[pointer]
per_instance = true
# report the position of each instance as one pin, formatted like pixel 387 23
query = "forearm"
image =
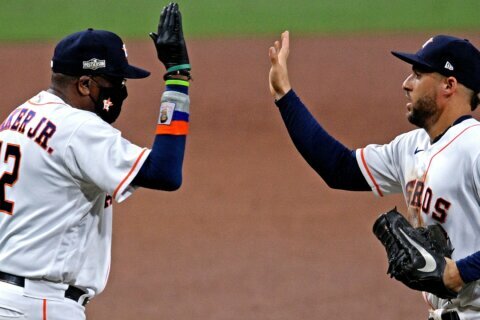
pixel 463 271
pixel 335 163
pixel 451 276
pixel 162 169
pixel 469 267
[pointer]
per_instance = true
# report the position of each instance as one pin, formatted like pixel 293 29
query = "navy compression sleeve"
pixel 162 170
pixel 335 163
pixel 469 267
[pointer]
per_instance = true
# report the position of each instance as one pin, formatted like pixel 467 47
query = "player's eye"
pixel 417 73
pixel 121 83
pixel 116 82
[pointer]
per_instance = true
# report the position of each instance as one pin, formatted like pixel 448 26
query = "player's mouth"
pixel 409 100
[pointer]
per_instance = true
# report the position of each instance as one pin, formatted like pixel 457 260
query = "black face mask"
pixel 109 102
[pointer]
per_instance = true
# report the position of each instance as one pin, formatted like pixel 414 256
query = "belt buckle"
pixel 85 301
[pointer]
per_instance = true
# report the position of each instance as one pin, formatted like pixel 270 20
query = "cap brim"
pixel 412 59
pixel 132 72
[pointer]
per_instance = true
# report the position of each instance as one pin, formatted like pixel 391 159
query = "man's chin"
pixel 414 120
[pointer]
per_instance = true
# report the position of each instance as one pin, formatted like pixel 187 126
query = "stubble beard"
pixel 424 113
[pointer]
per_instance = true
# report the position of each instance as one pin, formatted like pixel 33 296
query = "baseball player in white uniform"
pixel 436 167
pixel 62 165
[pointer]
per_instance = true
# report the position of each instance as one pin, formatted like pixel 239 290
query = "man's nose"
pixel 407 83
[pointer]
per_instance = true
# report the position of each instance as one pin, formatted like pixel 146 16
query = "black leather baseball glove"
pixel 416 256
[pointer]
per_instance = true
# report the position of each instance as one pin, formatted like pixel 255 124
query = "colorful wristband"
pixel 179 67
pixel 177 82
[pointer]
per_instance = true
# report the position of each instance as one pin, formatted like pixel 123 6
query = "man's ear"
pixel 450 85
pixel 83 85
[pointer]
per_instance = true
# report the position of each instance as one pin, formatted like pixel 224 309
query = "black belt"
pixel 449 315
pixel 72 292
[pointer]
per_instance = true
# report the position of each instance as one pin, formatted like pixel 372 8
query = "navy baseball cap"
pixel 94 52
pixel 449 56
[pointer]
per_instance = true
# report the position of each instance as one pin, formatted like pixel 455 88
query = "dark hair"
pixel 475 101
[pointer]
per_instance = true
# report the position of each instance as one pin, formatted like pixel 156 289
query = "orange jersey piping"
pixel 370 174
pixel 129 173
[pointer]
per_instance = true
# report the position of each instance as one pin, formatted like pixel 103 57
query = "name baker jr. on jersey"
pixel 38 130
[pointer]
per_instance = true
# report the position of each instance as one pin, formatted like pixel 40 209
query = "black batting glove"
pixel 169 41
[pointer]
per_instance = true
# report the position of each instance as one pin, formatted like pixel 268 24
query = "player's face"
pixel 421 91
pixel 109 97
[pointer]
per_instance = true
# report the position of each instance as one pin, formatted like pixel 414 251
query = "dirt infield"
pixel 253 233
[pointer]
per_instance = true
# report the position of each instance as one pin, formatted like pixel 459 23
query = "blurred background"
pixel 50 19
pixel 253 233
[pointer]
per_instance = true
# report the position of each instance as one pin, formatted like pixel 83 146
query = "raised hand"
pixel 278 77
pixel 169 40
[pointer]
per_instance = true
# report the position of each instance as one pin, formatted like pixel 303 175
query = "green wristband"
pixel 179 67
pixel 177 82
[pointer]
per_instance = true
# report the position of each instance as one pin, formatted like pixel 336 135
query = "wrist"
pixel 174 109
pixel 178 74
pixel 178 77
pixel 286 98
pixel 179 67
pixel 451 276
pixel 178 85
pixel 281 92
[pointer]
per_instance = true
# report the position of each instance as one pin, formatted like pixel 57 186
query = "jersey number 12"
pixel 8 178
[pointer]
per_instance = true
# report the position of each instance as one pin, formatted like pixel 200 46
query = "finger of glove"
pixel 162 19
pixel 169 19
pixel 179 27
pixel 153 36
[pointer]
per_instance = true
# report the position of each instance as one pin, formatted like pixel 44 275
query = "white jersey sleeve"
pixel 98 154
pixel 476 177
pixel 380 165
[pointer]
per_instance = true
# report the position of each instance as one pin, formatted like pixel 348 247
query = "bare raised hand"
pixel 278 77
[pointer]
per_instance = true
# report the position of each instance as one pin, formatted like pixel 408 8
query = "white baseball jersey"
pixel 60 168
pixel 441 184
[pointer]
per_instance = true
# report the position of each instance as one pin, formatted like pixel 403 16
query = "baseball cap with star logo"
pixel 94 52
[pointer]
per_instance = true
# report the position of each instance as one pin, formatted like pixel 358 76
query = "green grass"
pixel 51 19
